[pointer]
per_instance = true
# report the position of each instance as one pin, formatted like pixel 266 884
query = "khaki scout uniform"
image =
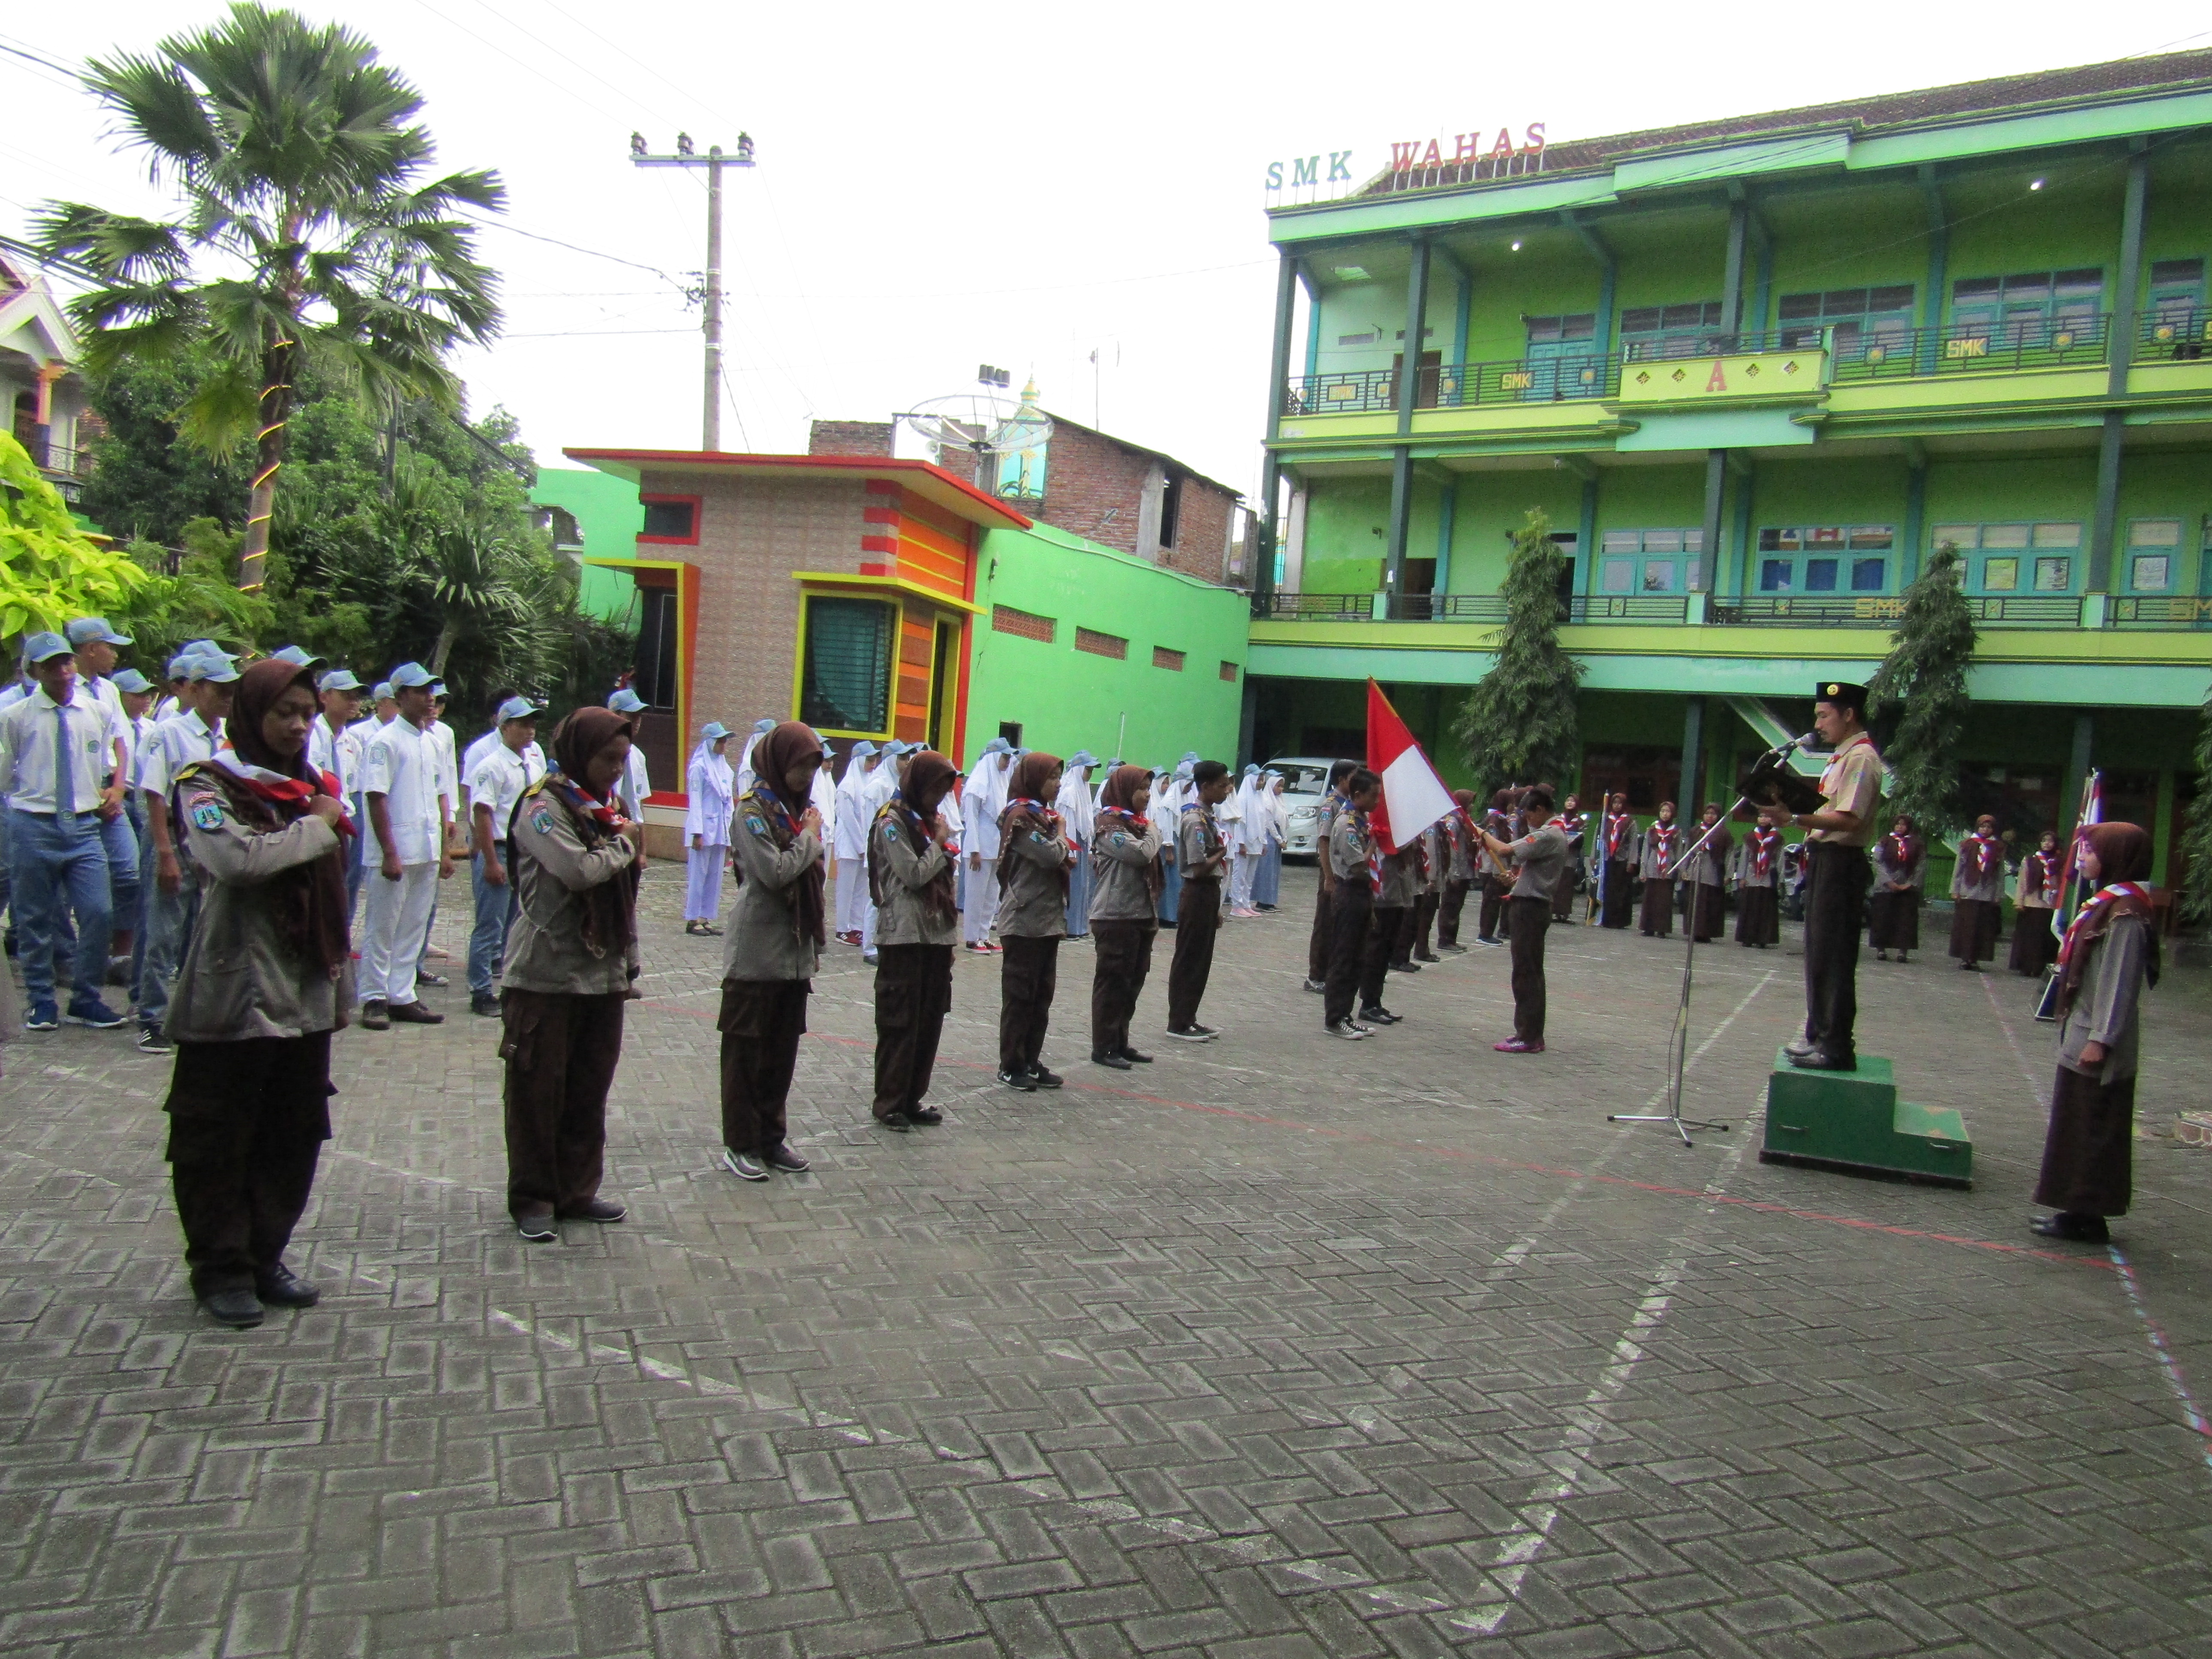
pixel 1032 919
pixel 914 961
pixel 1125 920
pixel 767 972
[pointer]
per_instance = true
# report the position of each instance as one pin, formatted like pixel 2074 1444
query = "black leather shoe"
pixel 1135 1056
pixel 1426 956
pixel 1822 1061
pixel 897 1122
pixel 239 1309
pixel 2074 1228
pixel 375 1016
pixel 1798 1045
pixel 483 1004
pixel 781 1157
pixel 280 1287
pixel 1405 967
pixel 1115 1061
pixel 928 1116
pixel 414 1014
pixel 595 1209
pixel 535 1226
pixel 1375 1014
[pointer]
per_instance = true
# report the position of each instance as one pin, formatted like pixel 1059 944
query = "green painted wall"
pixel 1067 699
pixel 1491 506
pixel 607 511
pixel 1345 521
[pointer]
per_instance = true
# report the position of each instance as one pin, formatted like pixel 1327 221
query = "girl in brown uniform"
pixel 1125 912
pixel 1663 844
pixel 1900 865
pixel 268 978
pixel 2034 946
pixel 1034 863
pixel 1708 876
pixel 575 856
pixel 777 934
pixel 911 851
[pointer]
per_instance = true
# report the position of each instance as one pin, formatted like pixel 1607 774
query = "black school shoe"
pixel 1117 1062
pixel 781 1157
pixel 1135 1056
pixel 239 1309
pixel 1375 1014
pixel 2073 1226
pixel 1021 1080
pixel 1045 1079
pixel 928 1116
pixel 281 1287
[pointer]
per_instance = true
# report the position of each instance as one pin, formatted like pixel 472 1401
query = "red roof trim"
pixel 879 465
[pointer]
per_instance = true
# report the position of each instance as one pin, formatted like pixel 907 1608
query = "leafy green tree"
pixel 2197 839
pixel 1921 686
pixel 49 570
pixel 308 239
pixel 191 594
pixel 1519 723
pixel 147 483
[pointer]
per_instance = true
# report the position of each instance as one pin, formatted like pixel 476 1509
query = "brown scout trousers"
pixel 1028 976
pixel 1317 942
pixel 1527 919
pixel 247 1121
pixel 762 1021
pixel 1383 924
pixel 560 1051
pixel 1351 918
pixel 1198 924
pixel 1124 959
pixel 1448 912
pixel 914 993
pixel 1835 910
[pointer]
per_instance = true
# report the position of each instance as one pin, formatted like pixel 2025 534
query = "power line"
pixel 535 236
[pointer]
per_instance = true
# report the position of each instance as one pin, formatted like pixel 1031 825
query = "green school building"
pixel 1753 370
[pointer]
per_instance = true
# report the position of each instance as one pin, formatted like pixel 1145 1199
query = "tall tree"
pixel 307 236
pixel 1519 722
pixel 1921 686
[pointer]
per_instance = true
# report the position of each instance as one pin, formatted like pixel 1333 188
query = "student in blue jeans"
pixel 60 769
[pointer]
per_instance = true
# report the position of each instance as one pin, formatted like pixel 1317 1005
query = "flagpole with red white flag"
pixel 1413 796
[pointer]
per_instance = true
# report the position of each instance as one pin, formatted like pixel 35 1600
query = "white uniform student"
pixel 710 804
pixel 850 839
pixel 168 876
pixel 746 776
pixel 636 782
pixel 502 773
pixel 406 827
pixel 882 784
pixel 981 800
pixel 1244 826
pixel 1078 811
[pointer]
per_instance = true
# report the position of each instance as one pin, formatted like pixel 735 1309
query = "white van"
pixel 1305 781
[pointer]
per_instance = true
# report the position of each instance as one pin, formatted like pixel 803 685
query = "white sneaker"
pixel 744 1165
pixel 1347 1030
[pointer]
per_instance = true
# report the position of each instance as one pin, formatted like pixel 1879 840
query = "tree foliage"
pixel 308 238
pixel 1920 693
pixel 1519 723
pixel 2196 838
pixel 49 570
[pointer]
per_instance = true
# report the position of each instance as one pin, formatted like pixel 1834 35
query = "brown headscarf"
pixel 309 900
pixel 610 907
pixel 773 758
pixel 1120 795
pixel 2124 854
pixel 1032 776
pixel 1722 840
pixel 914 808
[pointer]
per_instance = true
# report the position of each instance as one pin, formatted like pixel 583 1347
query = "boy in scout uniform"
pixel 1838 875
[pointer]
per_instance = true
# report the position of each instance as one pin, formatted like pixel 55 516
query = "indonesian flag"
pixel 1413 796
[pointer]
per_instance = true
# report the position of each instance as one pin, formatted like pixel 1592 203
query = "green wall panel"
pixel 607 511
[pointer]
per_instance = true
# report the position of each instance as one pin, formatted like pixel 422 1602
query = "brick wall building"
pixel 849 438
pixel 1137 500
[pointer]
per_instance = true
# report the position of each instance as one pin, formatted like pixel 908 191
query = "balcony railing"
pixel 1884 610
pixel 1464 607
pixel 2159 611
pixel 1984 347
pixel 1455 386
pixel 2168 611
pixel 2173 335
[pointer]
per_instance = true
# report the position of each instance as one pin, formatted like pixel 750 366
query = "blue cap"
pixel 764 725
pixel 383 692
pixel 1115 764
pixel 1252 770
pixel 133 683
pixel 626 701
pixel 297 653
pixel 181 666
pixel 44 648
pixel 409 675
pixel 438 689
pixel 83 630
pixel 713 730
pixel 518 709
pixel 998 746
pixel 214 666
pixel 898 746
pixel 863 747
pixel 338 679
pixel 1081 757
pixel 195 647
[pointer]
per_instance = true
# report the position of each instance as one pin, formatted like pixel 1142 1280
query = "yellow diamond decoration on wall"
pixel 1751 369
pixel 1681 374
pixel 1791 367
pixel 1644 377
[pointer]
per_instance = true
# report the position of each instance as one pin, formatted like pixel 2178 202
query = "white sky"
pixel 941 186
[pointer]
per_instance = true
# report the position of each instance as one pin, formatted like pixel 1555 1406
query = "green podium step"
pixel 1853 1122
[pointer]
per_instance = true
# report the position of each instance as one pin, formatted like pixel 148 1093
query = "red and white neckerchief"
pixel 1618 826
pixel 1984 852
pixel 277 788
pixel 1663 835
pixel 2037 876
pixel 1900 850
pixel 1764 841
pixel 2102 900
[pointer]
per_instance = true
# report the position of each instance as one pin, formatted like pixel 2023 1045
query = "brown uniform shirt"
pixel 1852 783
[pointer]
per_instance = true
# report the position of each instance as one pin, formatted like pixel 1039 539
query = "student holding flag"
pixel 1536 859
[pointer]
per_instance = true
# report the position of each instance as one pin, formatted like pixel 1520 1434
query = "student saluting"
pixel 1125 914
pixel 1034 862
pixel 911 850
pixel 1537 858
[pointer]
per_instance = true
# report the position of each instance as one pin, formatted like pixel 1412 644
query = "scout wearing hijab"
pixel 1536 859
pixel 2034 946
pixel 1900 866
pixel 1662 844
pixel 1395 880
pixel 1460 848
pixel 2111 949
pixel 710 806
pixel 849 834
pixel 1267 878
pixel 1349 851
pixel 576 857
pixel 1201 853
pixel 1616 860
pixel 1496 880
pixel 777 934
pixel 1074 805
pixel 912 849
pixel 1125 915
pixel 268 978
pixel 1835 885
pixel 1977 888
pixel 501 774
pixel 1320 942
pixel 1034 859
pixel 1428 897
pixel 883 783
pixel 1569 823
pixel 1708 878
pixel 1758 868
pixel 982 803
pixel 171 881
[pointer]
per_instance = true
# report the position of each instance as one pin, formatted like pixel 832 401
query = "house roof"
pixel 30 320
pixel 933 483
pixel 1183 467
pixel 2083 84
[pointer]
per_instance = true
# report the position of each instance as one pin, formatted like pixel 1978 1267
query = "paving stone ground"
pixel 1279 1348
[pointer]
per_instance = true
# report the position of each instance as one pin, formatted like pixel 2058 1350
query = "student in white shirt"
pixel 453 819
pixel 169 878
pixel 982 799
pixel 501 774
pixel 1078 813
pixel 93 643
pixel 882 784
pixel 334 746
pixel 746 776
pixel 399 776
pixel 710 807
pixel 852 839
pixel 636 781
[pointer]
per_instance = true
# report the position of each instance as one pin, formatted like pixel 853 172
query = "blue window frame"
pixel 1826 558
pixel 2017 557
pixel 1870 323
pixel 1650 561
pixel 1681 330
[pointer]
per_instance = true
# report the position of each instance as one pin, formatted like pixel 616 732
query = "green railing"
pixel 2159 611
pixel 2173 335
pixel 1984 347
pixel 1454 386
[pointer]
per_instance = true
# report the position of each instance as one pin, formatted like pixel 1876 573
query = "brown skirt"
pixel 2088 1151
pixel 1894 919
pixel 1708 911
pixel 1974 930
pixel 1758 919
pixel 1657 915
pixel 2034 946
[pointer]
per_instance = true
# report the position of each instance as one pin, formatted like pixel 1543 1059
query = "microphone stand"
pixel 1678 1040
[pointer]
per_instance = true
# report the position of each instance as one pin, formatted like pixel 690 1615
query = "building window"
pixel 1826 558
pixel 2031 308
pixel 1163 657
pixel 1004 619
pixel 1170 508
pixel 671 518
pixel 1101 645
pixel 2177 324
pixel 1870 323
pixel 1229 672
pixel 1683 331
pixel 2016 558
pixel 656 662
pixel 2154 551
pixel 1650 561
pixel 844 676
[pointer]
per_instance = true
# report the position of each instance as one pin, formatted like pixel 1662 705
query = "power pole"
pixel 710 421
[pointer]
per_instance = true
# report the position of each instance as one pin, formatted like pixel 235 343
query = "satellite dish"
pixel 983 427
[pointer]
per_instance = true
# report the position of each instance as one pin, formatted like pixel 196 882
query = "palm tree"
pixel 477 580
pixel 306 234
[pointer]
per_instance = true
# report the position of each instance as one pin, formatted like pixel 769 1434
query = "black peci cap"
pixel 1842 693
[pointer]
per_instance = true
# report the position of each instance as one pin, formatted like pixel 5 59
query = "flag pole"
pixel 2090 811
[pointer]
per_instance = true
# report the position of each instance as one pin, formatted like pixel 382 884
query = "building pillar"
pixel 1401 459
pixel 1691 781
pixel 1586 533
pixel 1313 319
pixel 1271 465
pixel 1715 491
pixel 1732 274
pixel 1737 580
pixel 1446 525
pixel 1916 517
pixel 2077 771
pixel 1939 264
pixel 2104 521
pixel 2119 351
pixel 1401 517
